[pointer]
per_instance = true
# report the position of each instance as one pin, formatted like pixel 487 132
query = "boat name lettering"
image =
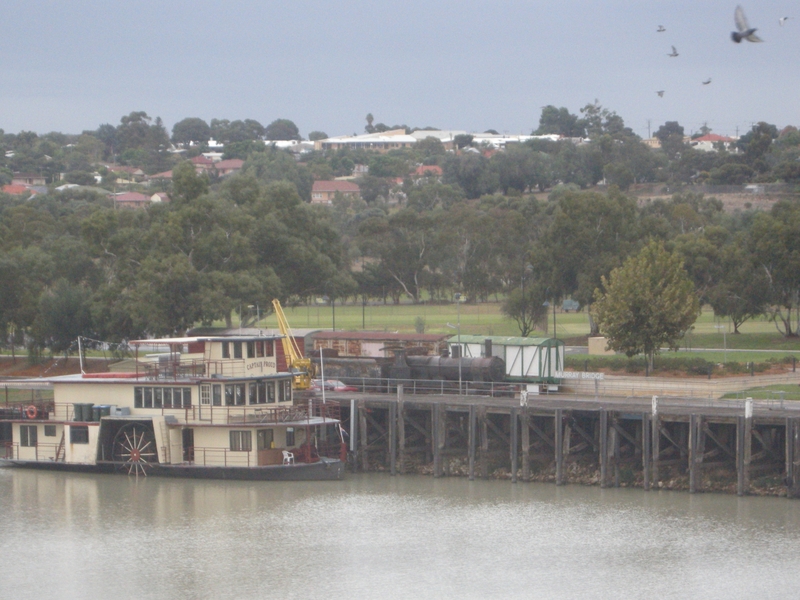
pixel 261 364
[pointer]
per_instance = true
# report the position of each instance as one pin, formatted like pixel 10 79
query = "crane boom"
pixel 300 366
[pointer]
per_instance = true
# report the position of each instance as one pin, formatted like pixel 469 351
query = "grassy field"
pixel 486 319
pixel 771 392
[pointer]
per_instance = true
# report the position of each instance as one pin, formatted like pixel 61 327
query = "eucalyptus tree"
pixel 647 303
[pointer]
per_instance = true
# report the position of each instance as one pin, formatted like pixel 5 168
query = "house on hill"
pixel 323 191
pixel 27 179
pixel 228 167
pixel 16 189
pixel 710 141
pixel 131 200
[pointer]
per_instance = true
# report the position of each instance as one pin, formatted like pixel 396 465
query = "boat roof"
pixel 205 338
pixel 126 377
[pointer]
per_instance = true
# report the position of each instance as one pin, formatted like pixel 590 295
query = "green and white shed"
pixel 532 360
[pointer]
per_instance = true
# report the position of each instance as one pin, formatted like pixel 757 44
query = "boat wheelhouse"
pixel 206 406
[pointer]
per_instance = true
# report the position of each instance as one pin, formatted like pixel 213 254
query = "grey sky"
pixel 469 64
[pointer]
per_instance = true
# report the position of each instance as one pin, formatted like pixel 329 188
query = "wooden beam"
pixel 721 445
pixel 655 431
pixel 646 442
pixel 582 432
pixel 393 439
pixel 541 434
pixel 526 445
pixel 514 445
pixel 362 418
pixel 603 448
pixel 484 433
pixel 558 424
pixel 472 440
pixel 401 435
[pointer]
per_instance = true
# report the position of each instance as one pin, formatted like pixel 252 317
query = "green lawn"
pixel 771 392
pixel 486 319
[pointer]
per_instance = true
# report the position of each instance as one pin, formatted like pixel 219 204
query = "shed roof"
pixel 502 340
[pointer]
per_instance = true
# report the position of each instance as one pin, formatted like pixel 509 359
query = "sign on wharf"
pixel 578 375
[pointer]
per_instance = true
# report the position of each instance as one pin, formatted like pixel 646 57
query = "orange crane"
pixel 301 367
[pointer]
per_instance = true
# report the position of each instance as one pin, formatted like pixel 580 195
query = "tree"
pixel 647 303
pixel 192 129
pixel 430 147
pixel 187 184
pixel 317 135
pixel 559 121
pixel 526 310
pixel 64 314
pixel 281 129
pixel 670 134
pixel 462 140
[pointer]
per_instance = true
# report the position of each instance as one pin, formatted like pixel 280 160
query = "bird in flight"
pixel 745 31
pixel 661 28
pixel 782 20
pixel 660 93
pixel 707 81
pixel 674 52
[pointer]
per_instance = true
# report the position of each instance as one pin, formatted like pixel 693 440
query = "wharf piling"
pixel 671 443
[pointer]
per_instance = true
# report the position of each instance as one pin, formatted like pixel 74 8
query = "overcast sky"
pixel 452 64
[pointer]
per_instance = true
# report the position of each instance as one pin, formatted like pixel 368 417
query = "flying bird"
pixel 745 31
pixel 674 52
pixel 707 81
pixel 661 28
pixel 782 20
pixel 660 93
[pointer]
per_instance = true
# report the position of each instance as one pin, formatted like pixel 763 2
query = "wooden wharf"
pixel 624 440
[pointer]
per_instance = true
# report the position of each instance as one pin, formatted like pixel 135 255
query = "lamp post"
pixel 258 312
pixel 528 269
pixel 724 342
pixel 457 297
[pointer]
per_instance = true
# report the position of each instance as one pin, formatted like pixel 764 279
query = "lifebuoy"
pixel 31 412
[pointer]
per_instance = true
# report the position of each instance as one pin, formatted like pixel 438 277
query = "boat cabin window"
pixel 237 349
pixel 258 392
pixel 269 348
pixel 251 349
pixel 226 350
pixel 259 349
pixel 271 393
pixel 234 394
pixel 289 436
pixel 216 398
pixel 241 441
pixel 79 434
pixel 157 397
pixel 284 391
pixel 28 435
pixel 50 431
pixel 264 438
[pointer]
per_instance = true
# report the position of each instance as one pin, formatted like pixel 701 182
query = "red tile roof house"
pixel 127 174
pixel 131 200
pixel 323 191
pixel 202 164
pixel 15 189
pixel 228 167
pixel 160 197
pixel 164 175
pixel 427 171
pixel 707 142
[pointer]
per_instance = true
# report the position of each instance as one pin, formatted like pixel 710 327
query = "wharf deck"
pixel 645 440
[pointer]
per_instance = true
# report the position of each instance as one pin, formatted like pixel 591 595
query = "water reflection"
pixel 374 535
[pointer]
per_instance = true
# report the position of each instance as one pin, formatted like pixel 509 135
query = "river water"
pixel 376 536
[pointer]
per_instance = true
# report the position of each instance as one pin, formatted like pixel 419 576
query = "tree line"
pixel 525 226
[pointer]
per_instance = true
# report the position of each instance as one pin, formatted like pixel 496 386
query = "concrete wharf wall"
pixel 621 439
